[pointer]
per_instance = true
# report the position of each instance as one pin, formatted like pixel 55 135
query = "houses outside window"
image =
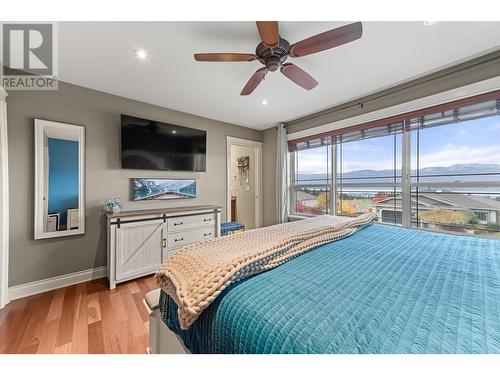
pixel 310 192
pixel 440 171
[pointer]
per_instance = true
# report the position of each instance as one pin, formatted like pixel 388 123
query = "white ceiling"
pixel 101 56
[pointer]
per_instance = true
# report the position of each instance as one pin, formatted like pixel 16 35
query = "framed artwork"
pixel 162 189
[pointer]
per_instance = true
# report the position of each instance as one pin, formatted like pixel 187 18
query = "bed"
pixel 382 290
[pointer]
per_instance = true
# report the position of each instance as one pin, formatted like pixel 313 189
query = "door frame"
pixel 257 146
pixel 4 202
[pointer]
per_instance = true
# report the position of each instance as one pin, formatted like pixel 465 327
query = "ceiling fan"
pixel 273 51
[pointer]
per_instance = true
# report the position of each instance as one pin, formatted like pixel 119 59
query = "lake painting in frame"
pixel 162 189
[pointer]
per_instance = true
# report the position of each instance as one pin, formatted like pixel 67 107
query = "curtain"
pixel 281 175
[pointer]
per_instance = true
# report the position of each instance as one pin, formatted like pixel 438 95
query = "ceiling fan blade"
pixel 224 57
pixel 298 76
pixel 268 31
pixel 254 81
pixel 327 40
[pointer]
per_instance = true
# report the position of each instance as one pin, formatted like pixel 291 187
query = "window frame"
pixel 406 186
pixel 292 186
pixel 394 185
pixel 479 214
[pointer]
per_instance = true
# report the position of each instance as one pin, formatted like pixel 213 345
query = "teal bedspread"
pixel 382 290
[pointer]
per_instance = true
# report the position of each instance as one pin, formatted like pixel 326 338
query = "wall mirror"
pixel 59 179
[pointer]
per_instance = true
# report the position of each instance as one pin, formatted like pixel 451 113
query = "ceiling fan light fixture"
pixel 273 51
pixel 273 63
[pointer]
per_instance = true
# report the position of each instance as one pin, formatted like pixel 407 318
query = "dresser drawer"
pixel 179 239
pixel 181 223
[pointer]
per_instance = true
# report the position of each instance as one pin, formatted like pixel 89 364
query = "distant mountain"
pixel 385 175
pixel 175 185
pixel 462 168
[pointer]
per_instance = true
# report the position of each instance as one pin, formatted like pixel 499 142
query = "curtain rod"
pixel 492 95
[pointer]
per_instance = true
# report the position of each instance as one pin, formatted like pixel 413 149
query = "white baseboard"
pixel 40 286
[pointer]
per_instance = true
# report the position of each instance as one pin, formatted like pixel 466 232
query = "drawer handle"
pixel 179 223
pixel 208 234
pixel 164 242
pixel 179 239
pixel 207 219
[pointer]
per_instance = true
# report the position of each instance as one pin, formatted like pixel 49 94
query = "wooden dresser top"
pixel 159 211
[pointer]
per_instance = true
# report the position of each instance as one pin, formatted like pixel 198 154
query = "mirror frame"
pixel 58 130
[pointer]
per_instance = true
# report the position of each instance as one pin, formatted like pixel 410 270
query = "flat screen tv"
pixel 153 145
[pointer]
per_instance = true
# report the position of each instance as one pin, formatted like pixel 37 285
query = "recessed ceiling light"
pixel 263 102
pixel 174 131
pixel 141 54
pixel 429 23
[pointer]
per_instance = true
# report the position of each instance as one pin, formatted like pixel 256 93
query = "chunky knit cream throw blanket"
pixel 196 274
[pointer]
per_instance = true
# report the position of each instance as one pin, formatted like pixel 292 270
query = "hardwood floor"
pixel 83 318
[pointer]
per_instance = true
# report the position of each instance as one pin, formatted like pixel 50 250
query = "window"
pixel 482 216
pixel 369 173
pixel 311 193
pixel 455 176
pixel 356 201
pixel 439 171
pixel 451 209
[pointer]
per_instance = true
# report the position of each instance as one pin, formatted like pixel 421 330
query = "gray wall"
pixel 100 114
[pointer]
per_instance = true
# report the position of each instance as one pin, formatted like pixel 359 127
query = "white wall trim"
pixel 425 102
pixel 243 142
pixel 40 286
pixel 4 202
pixel 232 141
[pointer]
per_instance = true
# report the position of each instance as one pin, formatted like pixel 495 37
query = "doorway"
pixel 244 182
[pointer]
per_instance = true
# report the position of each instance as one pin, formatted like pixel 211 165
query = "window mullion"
pixel 333 179
pixel 406 177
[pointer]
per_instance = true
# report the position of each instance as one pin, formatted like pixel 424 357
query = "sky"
pixel 471 142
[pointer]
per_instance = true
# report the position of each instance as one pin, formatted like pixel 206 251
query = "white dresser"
pixel 140 241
